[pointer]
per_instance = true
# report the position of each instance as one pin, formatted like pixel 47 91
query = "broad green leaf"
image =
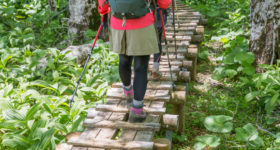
pixel 271 104
pixel 47 108
pixel 231 73
pixel 252 95
pixel 5 59
pixel 15 141
pixel 13 114
pixel 247 57
pixel 37 133
pixel 32 111
pixel 247 133
pixel 220 124
pixel 249 70
pixel 8 90
pixel 278 138
pixel 207 140
pixel 45 140
pixel 43 84
pixel 77 123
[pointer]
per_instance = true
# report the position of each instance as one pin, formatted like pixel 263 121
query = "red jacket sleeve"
pixel 164 4
pixel 103 10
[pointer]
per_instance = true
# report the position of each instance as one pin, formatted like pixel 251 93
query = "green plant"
pixel 35 88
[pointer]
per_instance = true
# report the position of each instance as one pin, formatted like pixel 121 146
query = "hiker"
pixel 156 74
pixel 133 36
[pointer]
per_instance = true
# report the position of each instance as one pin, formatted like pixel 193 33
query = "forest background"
pixel 239 109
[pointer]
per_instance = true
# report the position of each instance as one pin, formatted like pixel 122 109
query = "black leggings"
pixel 140 73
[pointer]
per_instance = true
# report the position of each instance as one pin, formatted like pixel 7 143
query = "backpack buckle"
pixel 149 6
pixel 124 21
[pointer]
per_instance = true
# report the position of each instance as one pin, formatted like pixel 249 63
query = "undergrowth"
pixel 230 107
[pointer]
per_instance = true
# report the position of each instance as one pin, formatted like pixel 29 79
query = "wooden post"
pixel 162 144
pixel 192 55
pixel 184 76
pixel 179 108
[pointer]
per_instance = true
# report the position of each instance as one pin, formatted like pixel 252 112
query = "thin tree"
pixel 265 31
pixel 83 16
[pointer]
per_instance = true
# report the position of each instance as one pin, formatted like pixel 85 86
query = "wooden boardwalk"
pixel 107 126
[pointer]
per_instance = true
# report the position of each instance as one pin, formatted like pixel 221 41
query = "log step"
pixel 180 57
pixel 151 85
pixel 111 144
pixel 94 123
pixel 110 108
pixel 186 33
pixel 166 69
pixel 179 38
pixel 152 95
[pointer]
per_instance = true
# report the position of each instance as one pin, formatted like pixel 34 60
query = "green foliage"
pixel 249 134
pixel 266 87
pixel 24 21
pixel 219 123
pixel 207 141
pixel 252 99
pixel 34 97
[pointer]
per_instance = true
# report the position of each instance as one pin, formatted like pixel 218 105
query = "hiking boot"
pixel 136 115
pixel 129 94
pixel 156 74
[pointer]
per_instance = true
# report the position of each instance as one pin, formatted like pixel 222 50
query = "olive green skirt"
pixel 134 42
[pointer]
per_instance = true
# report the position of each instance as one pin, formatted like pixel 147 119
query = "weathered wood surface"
pixel 148 135
pixel 150 110
pixel 108 121
pixel 162 144
pixel 111 144
pixel 165 76
pixel 170 121
pixel 156 85
pixel 153 95
pixel 180 57
pixel 92 123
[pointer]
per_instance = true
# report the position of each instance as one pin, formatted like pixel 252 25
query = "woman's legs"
pixel 141 76
pixel 125 69
pixel 140 73
pixel 139 85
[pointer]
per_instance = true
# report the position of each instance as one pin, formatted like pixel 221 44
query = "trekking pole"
pixel 166 46
pixel 86 63
pixel 173 12
pixel 177 15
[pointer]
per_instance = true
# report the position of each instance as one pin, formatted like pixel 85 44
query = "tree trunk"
pixel 265 37
pixel 52 5
pixel 83 16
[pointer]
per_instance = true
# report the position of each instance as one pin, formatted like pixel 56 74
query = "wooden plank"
pixel 91 133
pixel 111 144
pixel 91 113
pixel 180 57
pixel 148 135
pixel 109 108
pixel 178 44
pixel 108 133
pixel 121 125
pixel 155 85
pixel 79 148
pixel 118 93
pixel 174 69
pixel 181 29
